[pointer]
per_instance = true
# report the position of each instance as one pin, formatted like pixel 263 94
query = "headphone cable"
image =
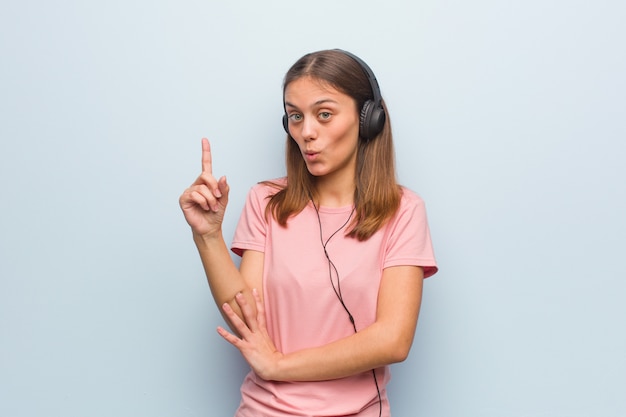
pixel 337 289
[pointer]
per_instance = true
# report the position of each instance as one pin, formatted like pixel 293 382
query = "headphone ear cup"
pixel 371 121
pixel 286 124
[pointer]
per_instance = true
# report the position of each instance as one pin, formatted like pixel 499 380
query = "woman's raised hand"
pixel 204 202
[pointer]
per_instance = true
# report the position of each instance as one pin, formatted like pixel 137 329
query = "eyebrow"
pixel 317 103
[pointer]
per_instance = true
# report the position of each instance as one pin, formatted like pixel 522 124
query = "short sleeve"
pixel 409 241
pixel 252 226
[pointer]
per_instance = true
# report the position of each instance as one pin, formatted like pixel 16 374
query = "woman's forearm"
pixel 368 349
pixel 224 278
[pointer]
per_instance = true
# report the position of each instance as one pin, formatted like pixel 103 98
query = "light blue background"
pixel 509 119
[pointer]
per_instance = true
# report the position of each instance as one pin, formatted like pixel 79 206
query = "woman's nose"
pixel 309 128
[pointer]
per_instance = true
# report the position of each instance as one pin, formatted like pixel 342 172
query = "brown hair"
pixel 377 193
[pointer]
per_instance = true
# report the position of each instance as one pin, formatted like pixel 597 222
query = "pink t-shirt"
pixel 304 311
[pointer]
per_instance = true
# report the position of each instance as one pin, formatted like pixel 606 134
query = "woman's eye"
pixel 324 115
pixel 295 117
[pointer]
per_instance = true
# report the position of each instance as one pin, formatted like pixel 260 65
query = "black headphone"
pixel 372 117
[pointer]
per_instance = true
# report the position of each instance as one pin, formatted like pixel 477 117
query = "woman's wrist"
pixel 277 372
pixel 207 239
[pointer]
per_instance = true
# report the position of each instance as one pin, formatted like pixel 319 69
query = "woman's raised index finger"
pixel 206 156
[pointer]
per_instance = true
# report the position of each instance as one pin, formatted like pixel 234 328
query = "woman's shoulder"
pixel 411 209
pixel 269 187
pixel 410 197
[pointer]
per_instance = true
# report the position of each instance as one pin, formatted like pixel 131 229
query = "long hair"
pixel 377 193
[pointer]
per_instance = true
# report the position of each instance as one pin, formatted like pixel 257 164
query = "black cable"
pixel 337 289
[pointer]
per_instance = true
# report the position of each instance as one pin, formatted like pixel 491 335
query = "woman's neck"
pixel 334 193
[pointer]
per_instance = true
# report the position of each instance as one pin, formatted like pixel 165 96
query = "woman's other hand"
pixel 254 342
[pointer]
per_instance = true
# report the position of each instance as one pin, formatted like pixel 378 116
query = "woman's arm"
pixel 225 280
pixel 204 204
pixel 387 340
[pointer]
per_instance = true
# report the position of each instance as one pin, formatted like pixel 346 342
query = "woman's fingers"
pixel 260 309
pixel 223 188
pixel 248 324
pixel 202 197
pixel 230 338
pixel 247 311
pixel 207 160
pixel 198 195
pixel 206 184
pixel 207 168
pixel 209 193
pixel 210 182
pixel 236 321
pixel 204 202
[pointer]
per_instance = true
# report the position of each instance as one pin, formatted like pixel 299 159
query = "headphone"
pixel 372 118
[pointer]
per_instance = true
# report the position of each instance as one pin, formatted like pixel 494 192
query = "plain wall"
pixel 509 120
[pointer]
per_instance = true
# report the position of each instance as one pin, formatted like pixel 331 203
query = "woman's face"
pixel 324 122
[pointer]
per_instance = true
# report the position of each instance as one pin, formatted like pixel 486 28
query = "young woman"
pixel 333 256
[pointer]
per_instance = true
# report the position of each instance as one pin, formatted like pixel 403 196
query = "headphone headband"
pixel 370 76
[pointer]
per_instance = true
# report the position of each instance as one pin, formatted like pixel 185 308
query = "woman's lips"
pixel 310 155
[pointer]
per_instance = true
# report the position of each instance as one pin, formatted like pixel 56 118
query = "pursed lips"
pixel 310 154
